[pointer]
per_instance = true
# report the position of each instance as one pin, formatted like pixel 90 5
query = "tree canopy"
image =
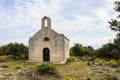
pixel 115 23
pixel 16 50
pixel 80 50
pixel 112 49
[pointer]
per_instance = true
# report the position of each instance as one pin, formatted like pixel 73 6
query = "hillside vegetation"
pixel 79 69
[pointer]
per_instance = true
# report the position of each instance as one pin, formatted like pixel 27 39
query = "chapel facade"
pixel 47 45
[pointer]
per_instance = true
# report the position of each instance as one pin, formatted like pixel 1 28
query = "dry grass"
pixel 77 70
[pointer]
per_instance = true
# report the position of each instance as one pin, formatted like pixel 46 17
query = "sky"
pixel 82 21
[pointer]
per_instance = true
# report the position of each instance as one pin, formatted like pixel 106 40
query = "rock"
pixel 94 65
pixel 33 75
pixel 89 63
pixel 7 74
pixel 29 74
pixel 1 76
pixel 38 64
pixel 19 70
pixel 100 71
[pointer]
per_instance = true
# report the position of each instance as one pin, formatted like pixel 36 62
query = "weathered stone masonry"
pixel 48 45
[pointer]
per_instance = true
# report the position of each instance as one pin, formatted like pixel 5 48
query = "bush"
pixel 18 51
pixel 17 66
pixel 68 78
pixel 113 63
pixel 3 58
pixel 4 66
pixel 71 59
pixel 46 68
pixel 83 58
pixel 102 61
pixel 86 58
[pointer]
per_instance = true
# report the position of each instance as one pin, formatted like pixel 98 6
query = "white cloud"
pixel 81 21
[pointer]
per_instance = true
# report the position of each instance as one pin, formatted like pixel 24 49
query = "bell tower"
pixel 46 22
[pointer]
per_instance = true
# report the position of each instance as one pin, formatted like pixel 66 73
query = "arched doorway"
pixel 46 54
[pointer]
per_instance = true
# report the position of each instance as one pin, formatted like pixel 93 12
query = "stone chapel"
pixel 47 45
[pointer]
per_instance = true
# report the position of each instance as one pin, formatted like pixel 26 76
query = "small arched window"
pixel 46 39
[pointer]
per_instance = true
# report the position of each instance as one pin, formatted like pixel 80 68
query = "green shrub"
pixel 5 66
pixel 102 61
pixel 83 58
pixel 68 78
pixel 113 63
pixel 17 66
pixel 86 58
pixel 4 57
pixel 71 59
pixel 46 68
pixel 32 66
pixel 11 56
pixel 19 51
